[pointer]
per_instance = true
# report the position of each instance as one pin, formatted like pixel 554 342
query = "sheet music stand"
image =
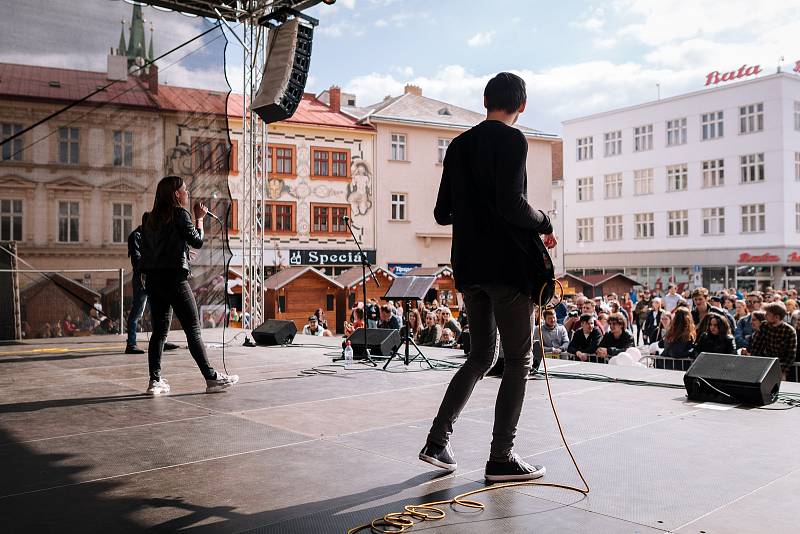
pixel 408 288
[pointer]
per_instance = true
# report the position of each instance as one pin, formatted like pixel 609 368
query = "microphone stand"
pixel 364 265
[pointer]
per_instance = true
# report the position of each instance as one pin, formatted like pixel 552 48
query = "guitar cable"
pixel 412 514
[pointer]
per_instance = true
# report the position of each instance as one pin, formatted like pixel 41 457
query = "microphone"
pixel 210 214
pixel 346 219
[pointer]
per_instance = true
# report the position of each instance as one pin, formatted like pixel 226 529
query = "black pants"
pixel 169 291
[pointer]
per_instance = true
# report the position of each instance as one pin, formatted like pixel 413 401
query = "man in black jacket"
pixel 586 339
pixel 496 256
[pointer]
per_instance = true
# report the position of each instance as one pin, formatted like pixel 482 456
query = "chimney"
pixel 117 67
pixel 413 89
pixel 151 78
pixel 335 98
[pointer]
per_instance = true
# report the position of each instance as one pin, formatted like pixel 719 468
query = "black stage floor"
pixel 82 450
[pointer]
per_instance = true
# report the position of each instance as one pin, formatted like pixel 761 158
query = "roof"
pixel 353 277
pixel 430 271
pixel 313 111
pixel 73 289
pixel 286 276
pixel 595 280
pixel 413 108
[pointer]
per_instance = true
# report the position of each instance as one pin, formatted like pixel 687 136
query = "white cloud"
pixel 406 71
pixel 593 20
pixel 481 39
pixel 605 43
pixel 381 23
pixel 349 4
pixel 341 29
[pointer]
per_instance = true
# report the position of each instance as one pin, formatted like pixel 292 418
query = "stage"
pixel 83 450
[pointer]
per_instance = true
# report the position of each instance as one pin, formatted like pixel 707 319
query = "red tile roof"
pixel 32 82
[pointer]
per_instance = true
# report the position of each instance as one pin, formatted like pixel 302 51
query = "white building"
pixel 700 189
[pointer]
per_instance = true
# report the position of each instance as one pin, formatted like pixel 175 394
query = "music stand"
pixel 408 288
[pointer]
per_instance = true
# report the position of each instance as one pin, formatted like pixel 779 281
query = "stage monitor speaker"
pixel 275 332
pixel 733 379
pixel 380 341
pixel 288 58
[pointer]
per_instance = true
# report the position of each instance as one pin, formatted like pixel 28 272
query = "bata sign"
pixel 716 76
pixel 746 257
pixel 794 257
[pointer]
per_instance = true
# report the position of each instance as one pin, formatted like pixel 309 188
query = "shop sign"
pixel 329 257
pixel 746 257
pixel 715 77
pixel 794 257
pixel 400 269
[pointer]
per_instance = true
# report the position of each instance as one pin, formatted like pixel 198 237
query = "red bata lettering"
pixel 794 257
pixel 744 257
pixel 715 77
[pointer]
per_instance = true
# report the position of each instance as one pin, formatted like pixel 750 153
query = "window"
pixel 613 142
pixel 123 148
pixel 613 185
pixel 676 132
pixel 284 160
pixel 643 138
pixel 752 168
pixel 796 218
pixel 211 156
pixel 797 165
pixel 441 147
pixel 713 221
pixel 10 220
pixel 279 217
pixel 584 148
pixel 613 227
pixel 68 145
pixel 226 209
pixel 678 223
pixel 712 125
pixel 585 189
pixel 122 222
pixel 398 206
pixel 398 147
pixel 643 182
pixel 753 219
pixel 11 151
pixel 645 227
pixel 330 163
pixel 329 219
pixel 714 173
pixel 677 178
pixel 68 222
pixel 797 115
pixel 585 230
pixel 751 118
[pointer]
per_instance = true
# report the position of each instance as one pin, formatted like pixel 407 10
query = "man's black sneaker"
pixel 439 456
pixel 133 350
pixel 514 469
pixel 170 346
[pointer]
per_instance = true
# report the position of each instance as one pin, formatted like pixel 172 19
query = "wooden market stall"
pixel 295 292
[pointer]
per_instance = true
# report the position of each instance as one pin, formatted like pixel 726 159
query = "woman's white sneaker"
pixel 157 387
pixel 222 381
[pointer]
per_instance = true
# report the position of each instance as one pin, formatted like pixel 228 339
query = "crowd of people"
pixel 675 324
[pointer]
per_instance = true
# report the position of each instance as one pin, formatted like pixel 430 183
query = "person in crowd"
pixel 388 319
pixel 775 338
pixel 357 321
pixel 672 298
pixel 797 331
pixel 572 322
pixel 373 313
pixel 586 340
pixel 166 238
pixel 57 329
pixel 413 327
pixel 729 305
pixel 680 338
pixel 791 310
pixel 662 329
pixel 429 336
pixel 615 307
pixel 744 328
pixel 715 335
pixel 758 318
pixel 702 307
pixel 313 327
pixel 561 311
pixel 449 322
pixel 319 313
pixel 653 320
pixel 626 305
pixel 448 339
pixel 602 319
pixel 555 335
pixel 617 340
pixel 68 328
pixel 640 313
pixel 740 310
pixel 587 307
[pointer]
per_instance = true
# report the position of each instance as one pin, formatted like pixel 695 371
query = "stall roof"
pixel 430 271
pixel 353 277
pixel 286 276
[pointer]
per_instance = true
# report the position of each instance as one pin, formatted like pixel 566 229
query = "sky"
pixel 577 57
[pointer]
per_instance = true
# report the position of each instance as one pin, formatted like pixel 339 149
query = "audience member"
pixel 740 308
pixel 447 340
pixel 640 314
pixel 388 319
pixel 744 328
pixel 652 321
pixel 357 317
pixel 586 340
pixel 313 327
pixel 672 298
pixel 617 340
pixel 413 327
pixel 449 322
pixel 715 336
pixel 702 306
pixel 680 338
pixel 319 313
pixel 775 338
pixel 555 335
pixel 430 335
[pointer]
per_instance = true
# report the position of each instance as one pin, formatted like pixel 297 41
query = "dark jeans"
pixel 137 308
pixel 491 308
pixel 167 292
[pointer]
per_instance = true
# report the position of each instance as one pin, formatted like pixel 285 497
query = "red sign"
pixel 746 257
pixel 715 77
pixel 794 257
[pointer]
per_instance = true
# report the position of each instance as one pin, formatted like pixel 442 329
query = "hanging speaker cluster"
pixel 288 58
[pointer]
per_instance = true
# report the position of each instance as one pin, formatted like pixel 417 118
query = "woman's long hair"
pixel 165 202
pixel 414 314
pixel 722 324
pixel 682 326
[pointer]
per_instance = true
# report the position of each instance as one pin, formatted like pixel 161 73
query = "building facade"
pixel 697 189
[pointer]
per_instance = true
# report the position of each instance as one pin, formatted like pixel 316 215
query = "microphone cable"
pixel 396 522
